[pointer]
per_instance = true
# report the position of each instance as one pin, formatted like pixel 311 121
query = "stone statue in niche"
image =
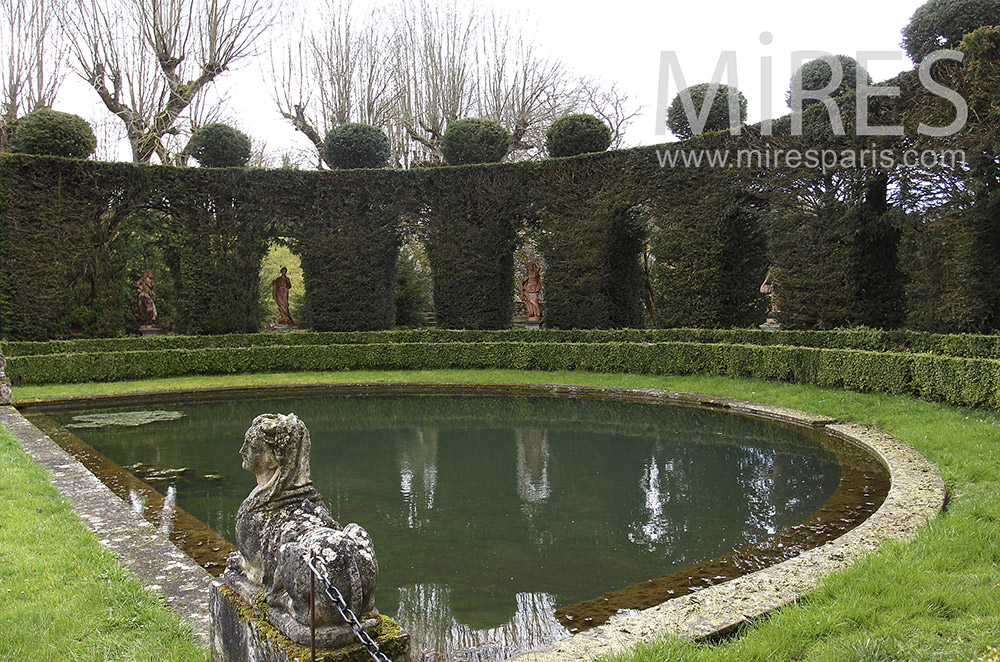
pixel 4 382
pixel 144 294
pixel 767 289
pixel 281 524
pixel 531 286
pixel 280 287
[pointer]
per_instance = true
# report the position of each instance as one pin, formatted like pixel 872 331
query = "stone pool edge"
pixel 916 494
pixel 160 566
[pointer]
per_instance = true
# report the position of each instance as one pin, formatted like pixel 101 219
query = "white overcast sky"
pixel 621 41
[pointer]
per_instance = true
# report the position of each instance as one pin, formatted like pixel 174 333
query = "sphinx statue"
pixel 281 525
pixel 4 382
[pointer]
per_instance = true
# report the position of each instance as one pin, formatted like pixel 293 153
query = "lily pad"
pixel 128 419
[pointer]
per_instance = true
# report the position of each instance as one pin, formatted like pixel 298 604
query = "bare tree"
pixel 340 73
pixel 416 66
pixel 148 60
pixel 434 70
pixel 31 50
pixel 611 105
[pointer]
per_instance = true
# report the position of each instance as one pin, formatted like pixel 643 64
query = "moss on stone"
pixel 387 633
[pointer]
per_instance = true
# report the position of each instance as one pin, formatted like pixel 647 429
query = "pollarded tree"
pixel 30 61
pixel 149 60
pixel 218 145
pixel 53 133
pixel 941 24
pixel 577 133
pixel 718 114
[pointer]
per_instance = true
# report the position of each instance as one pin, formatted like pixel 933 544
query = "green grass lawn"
pixel 935 599
pixel 63 596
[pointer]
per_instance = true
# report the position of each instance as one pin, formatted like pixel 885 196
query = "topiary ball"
pixel 356 145
pixel 942 24
pixel 218 145
pixel 718 114
pixel 474 140
pixel 53 133
pixel 817 74
pixel 578 133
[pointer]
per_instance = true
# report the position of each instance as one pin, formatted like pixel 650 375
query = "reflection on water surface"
pixel 489 513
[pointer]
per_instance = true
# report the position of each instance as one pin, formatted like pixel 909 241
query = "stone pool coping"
pixel 916 494
pixel 157 562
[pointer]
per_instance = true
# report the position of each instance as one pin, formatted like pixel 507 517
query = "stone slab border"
pixel 157 562
pixel 916 494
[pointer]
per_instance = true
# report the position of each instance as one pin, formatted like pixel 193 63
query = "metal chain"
pixel 318 568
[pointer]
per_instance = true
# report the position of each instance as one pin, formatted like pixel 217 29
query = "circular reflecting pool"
pixel 490 514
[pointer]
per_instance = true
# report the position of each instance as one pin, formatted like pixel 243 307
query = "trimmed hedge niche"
pixel 470 219
pixel 215 227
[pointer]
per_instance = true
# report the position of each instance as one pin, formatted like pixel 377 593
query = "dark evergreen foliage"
pixel 718 114
pixel 471 217
pixel 218 145
pixel 50 132
pixel 711 255
pixel 474 140
pixel 939 24
pixel 817 74
pixel 355 145
pixel 578 133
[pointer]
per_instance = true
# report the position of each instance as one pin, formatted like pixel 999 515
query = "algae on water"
pixel 123 419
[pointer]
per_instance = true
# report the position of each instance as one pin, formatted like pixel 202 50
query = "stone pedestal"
pixel 770 325
pixel 243 632
pixel 146 331
pixel 534 325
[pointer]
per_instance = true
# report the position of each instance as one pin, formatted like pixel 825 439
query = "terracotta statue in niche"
pixel 767 289
pixel 144 293
pixel 280 287
pixel 531 286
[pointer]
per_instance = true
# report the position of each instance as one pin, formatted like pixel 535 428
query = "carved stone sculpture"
pixel 279 290
pixel 767 289
pixel 4 382
pixel 281 524
pixel 531 286
pixel 144 294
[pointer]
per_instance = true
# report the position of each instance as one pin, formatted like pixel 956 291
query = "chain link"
pixel 318 568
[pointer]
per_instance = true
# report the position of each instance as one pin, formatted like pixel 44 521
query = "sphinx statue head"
pixel 283 524
pixel 276 450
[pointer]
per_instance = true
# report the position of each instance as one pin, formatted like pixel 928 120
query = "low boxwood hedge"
pixel 960 345
pixel 958 381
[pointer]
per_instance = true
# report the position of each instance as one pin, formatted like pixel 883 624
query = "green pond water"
pixel 489 513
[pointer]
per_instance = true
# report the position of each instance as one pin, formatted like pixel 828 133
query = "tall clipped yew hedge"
pixel 831 238
pixel 589 212
pixel 64 224
pixel 471 216
pixel 347 232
